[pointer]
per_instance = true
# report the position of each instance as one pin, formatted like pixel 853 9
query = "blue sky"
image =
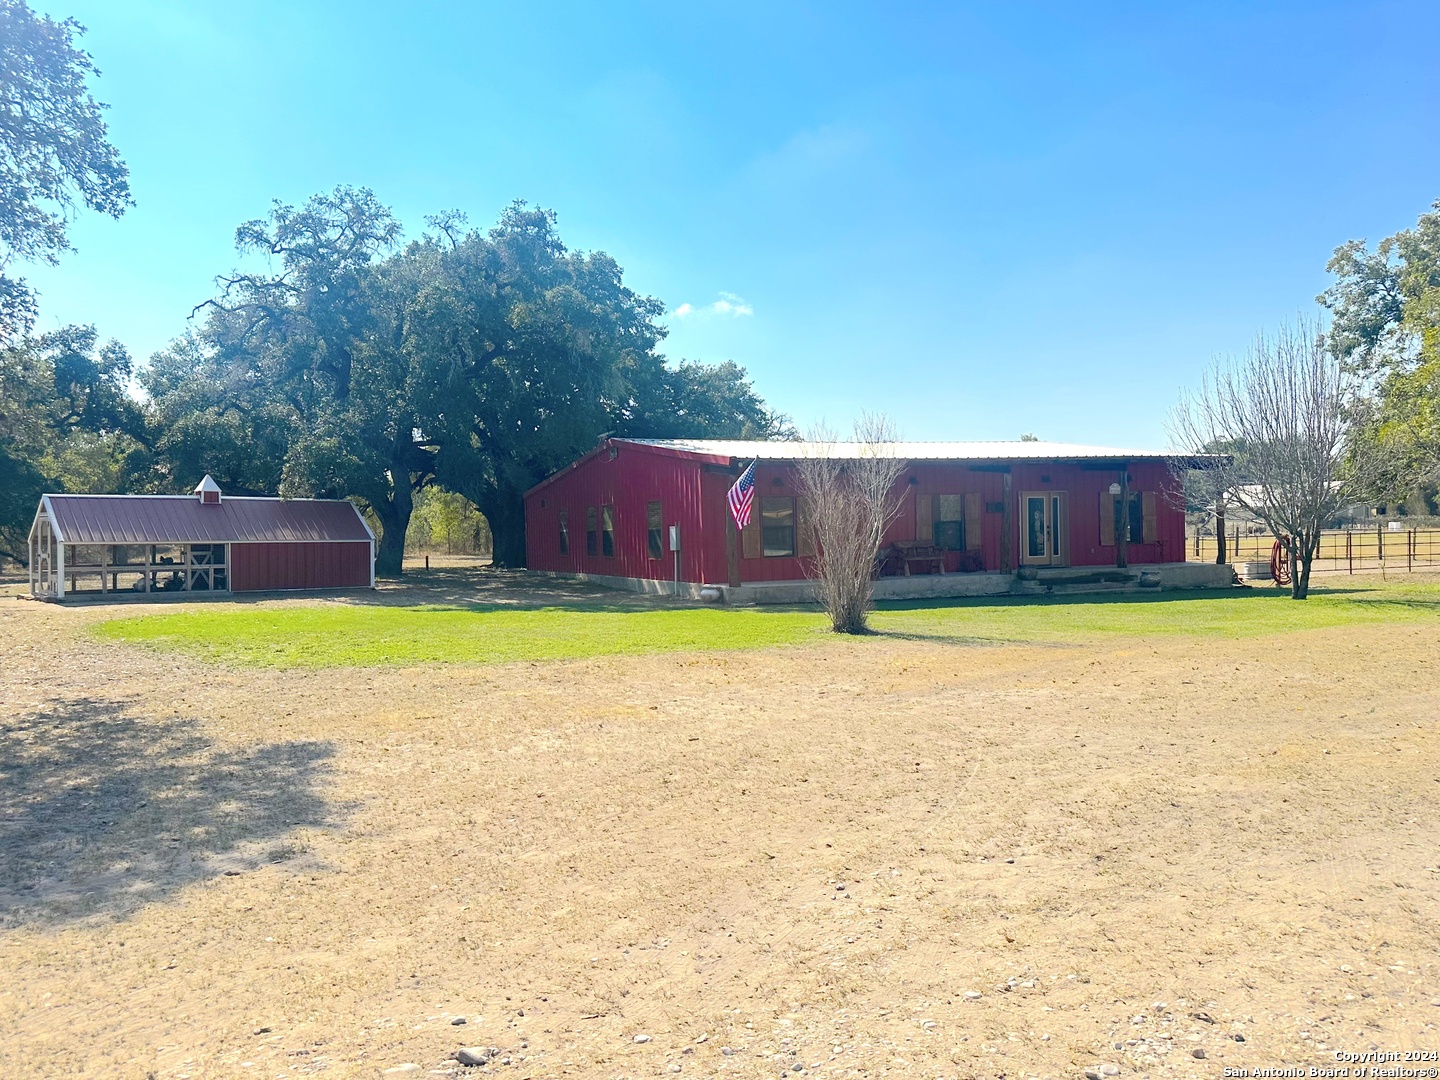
pixel 982 219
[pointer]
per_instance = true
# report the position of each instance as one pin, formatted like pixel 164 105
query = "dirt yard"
pixel 873 857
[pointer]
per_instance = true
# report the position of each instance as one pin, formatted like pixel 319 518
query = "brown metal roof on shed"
pixel 184 519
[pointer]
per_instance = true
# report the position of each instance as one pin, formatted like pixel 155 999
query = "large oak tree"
pixel 53 148
pixel 478 360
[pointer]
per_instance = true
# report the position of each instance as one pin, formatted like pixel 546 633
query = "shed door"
pixel 42 559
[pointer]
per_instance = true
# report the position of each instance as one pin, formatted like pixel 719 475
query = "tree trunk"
pixel 505 511
pixel 1220 551
pixel 394 515
pixel 390 556
pixel 1302 554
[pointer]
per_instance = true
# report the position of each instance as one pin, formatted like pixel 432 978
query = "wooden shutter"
pixel 924 516
pixel 804 528
pixel 1150 528
pixel 750 535
pixel 1107 519
pixel 974 530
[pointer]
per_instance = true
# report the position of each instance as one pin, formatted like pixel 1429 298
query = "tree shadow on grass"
pixel 103 810
pixel 1069 599
pixel 443 588
pixel 962 640
pixel 1409 603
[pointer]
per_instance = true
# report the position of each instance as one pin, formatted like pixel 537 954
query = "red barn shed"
pixel 113 545
pixel 651 515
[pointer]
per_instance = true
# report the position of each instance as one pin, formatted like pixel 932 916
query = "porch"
pixel 1028 581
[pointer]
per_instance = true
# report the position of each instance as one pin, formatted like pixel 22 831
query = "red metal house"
pixel 651 514
pixel 142 545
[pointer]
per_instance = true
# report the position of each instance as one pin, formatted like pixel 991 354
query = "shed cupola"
pixel 208 491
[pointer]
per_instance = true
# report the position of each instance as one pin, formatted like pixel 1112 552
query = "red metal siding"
pixel 256 567
pixel 694 496
pixel 630 480
pixel 1086 487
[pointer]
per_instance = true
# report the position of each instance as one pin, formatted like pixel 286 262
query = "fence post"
pixel 1410 552
pixel 1380 541
pixel 1350 549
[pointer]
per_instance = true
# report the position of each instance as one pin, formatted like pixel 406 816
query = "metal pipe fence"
pixel 1343 550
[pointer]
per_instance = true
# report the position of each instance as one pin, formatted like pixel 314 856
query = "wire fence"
pixel 1342 550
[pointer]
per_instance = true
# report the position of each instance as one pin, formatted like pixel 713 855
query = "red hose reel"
pixel 1280 561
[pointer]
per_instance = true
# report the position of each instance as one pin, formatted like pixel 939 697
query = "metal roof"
pixel 909 451
pixel 184 519
pixel 731 451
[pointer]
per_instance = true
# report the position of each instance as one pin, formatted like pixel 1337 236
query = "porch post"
pixel 1007 527
pixel 732 550
pixel 1122 534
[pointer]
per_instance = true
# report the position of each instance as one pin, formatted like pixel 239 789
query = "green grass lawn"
pixel 331 635
pixel 1203 613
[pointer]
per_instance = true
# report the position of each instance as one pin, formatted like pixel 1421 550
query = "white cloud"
pixel 728 304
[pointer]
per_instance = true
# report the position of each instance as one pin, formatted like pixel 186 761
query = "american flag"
pixel 741 496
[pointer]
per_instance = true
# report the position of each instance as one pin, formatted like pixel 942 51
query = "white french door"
pixel 1045 528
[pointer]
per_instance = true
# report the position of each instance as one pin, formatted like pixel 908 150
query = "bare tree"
pixel 1204 497
pixel 1285 408
pixel 848 490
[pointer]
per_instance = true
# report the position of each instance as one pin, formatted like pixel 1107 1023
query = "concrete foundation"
pixel 1030 581
pixel 686 590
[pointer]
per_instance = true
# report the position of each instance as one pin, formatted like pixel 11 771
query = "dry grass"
pixel 652 844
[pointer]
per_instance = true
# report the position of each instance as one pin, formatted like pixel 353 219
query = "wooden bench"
pixel 912 556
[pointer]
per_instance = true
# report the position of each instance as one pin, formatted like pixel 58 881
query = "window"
pixel 655 522
pixel 590 534
pixel 777 527
pixel 607 531
pixel 949 522
pixel 564 532
pixel 1143 518
pixel 1137 519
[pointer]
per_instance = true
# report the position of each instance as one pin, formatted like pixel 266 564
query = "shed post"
pixel 60 565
